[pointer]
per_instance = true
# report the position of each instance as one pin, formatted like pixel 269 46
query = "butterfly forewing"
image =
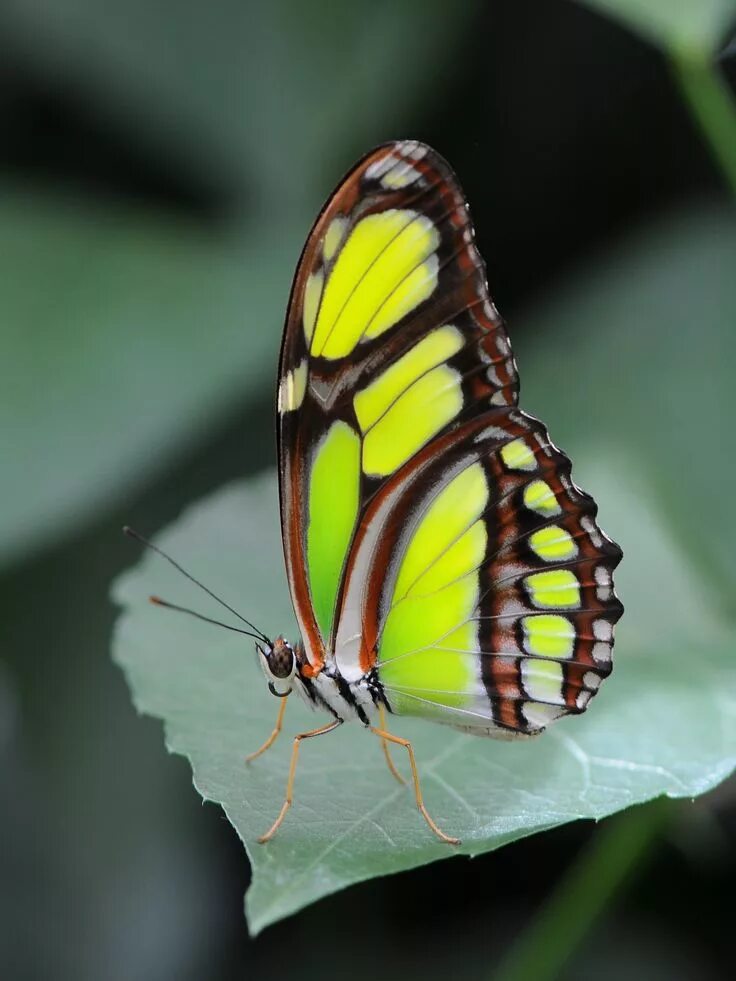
pixel 390 337
pixel 434 539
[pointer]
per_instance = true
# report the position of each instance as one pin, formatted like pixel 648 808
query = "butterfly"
pixel 441 561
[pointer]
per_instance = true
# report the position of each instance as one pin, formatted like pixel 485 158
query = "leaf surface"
pixel 665 723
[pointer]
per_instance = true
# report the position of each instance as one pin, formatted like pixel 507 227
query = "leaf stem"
pixel 592 882
pixel 709 97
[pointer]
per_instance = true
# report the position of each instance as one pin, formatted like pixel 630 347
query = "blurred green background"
pixel 161 165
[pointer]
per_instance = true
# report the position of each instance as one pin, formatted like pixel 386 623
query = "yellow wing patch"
pixel 553 544
pixel 333 237
pixel 334 489
pixel 424 655
pixel 433 350
pixel 548 635
pixel 393 172
pixel 463 556
pixel 539 497
pixel 453 511
pixel 312 296
pixel 416 287
pixel 429 404
pixel 556 588
pixel 543 680
pixel 400 177
pixel 410 402
pixel 386 267
pixel 410 663
pixel 292 388
pixel 517 456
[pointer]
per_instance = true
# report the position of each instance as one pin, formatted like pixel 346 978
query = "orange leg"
pixel 386 750
pixel 382 734
pixel 292 770
pixel 272 738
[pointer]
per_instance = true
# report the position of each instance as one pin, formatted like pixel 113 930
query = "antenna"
pixel 157 601
pixel 259 635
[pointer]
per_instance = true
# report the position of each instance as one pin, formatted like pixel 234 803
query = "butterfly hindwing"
pixel 434 539
pixel 480 585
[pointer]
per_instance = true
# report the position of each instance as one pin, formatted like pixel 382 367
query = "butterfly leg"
pixel 382 734
pixel 272 738
pixel 292 770
pixel 384 745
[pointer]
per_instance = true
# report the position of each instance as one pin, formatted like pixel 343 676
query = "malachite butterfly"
pixel 442 563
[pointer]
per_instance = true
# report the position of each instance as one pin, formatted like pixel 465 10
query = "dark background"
pixel 567 131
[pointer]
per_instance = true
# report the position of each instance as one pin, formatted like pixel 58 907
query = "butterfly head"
pixel 278 661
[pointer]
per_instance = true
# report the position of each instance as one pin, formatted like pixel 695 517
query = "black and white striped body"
pixel 328 690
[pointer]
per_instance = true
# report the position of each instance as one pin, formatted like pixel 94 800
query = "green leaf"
pixel 665 723
pixel 124 335
pixel 264 97
pixel 698 26
pixel 635 354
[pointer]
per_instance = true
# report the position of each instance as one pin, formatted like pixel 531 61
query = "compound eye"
pixel 281 661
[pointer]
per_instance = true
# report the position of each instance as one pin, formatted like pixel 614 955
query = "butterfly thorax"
pixel 323 687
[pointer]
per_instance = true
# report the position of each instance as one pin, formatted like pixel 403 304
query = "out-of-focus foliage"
pixel 215 81
pixel 689 35
pixel 655 728
pixel 125 335
pixel 148 159
pixel 697 26
pixel 643 345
